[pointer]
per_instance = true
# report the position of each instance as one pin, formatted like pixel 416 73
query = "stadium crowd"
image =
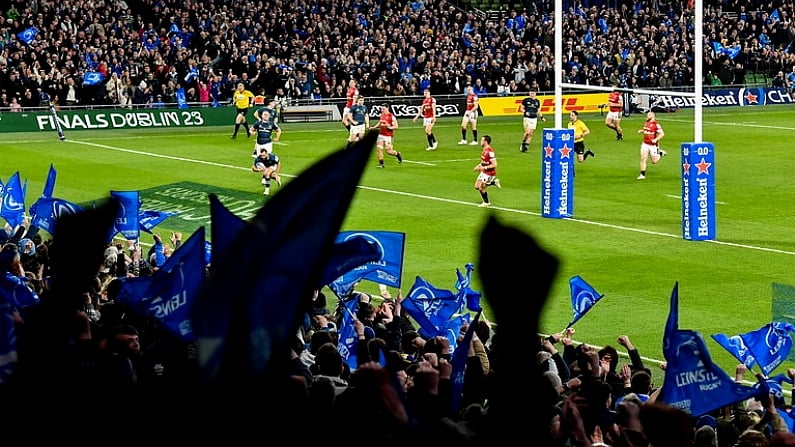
pixel 149 48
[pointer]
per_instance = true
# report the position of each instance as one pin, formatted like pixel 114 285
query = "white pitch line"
pixel 457 202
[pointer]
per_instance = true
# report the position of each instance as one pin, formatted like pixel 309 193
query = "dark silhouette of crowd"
pixel 81 354
pixel 150 48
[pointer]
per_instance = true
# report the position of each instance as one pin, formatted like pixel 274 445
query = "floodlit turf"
pixel 625 237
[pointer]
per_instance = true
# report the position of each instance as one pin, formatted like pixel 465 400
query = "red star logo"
pixel 703 167
pixel 686 167
pixel 548 151
pixel 751 98
pixel 564 151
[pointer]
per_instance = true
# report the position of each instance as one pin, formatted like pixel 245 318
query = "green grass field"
pixel 624 239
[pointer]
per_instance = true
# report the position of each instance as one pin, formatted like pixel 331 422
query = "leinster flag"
pixel 769 345
pixel 47 210
pixel 12 201
pixel 387 269
pixel 92 78
pixel 127 220
pixel 692 381
pixel 736 347
pixel 168 294
pixel 148 219
pixel 583 298
pixel 49 184
pixel 29 35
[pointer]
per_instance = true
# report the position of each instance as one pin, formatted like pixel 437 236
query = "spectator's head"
pixel 318 339
pixel 329 361
pixel 411 342
pixel 609 353
pixel 751 438
pixel 641 382
pixel 705 437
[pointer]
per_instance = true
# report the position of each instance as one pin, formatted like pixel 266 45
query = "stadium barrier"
pixel 75 118
pixel 306 114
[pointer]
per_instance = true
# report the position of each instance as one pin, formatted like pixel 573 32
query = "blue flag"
pixel 29 35
pixel 182 103
pixel 49 184
pixel 415 310
pixel 387 269
pixel 12 201
pixel 171 291
pixel 769 345
pixel 349 254
pixel 148 219
pixel 14 291
pixel 603 24
pixel 192 74
pixel 469 296
pixel 736 347
pixel 127 220
pixel 451 329
pixel 731 51
pixel 459 361
pixel 225 226
pixel 348 338
pixel 47 210
pixel 92 78
pixel 692 382
pixel 346 255
pixel 430 307
pixel 583 298
pixel 255 299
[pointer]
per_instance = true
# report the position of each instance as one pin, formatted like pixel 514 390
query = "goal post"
pixel 698 217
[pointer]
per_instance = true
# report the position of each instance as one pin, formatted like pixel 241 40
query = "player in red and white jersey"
pixel 487 171
pixel 615 104
pixel 387 123
pixel 351 95
pixel 652 134
pixel 470 117
pixel 428 113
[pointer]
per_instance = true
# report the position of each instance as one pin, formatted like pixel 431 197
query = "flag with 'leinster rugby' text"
pixel 692 381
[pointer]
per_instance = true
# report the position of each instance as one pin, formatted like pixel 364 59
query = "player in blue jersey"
pixel 269 165
pixel 267 132
pixel 357 120
pixel 270 106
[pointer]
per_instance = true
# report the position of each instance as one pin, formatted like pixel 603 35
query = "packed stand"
pixel 148 49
